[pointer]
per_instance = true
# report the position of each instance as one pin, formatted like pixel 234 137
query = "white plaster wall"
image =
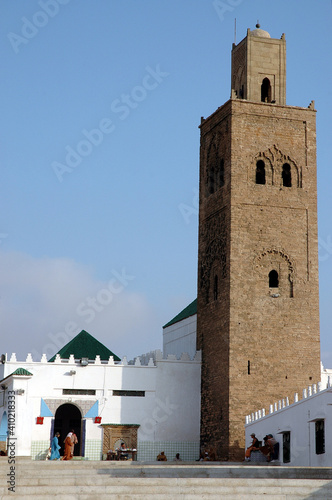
pixel 93 431
pixel 299 418
pixel 181 337
pixel 169 411
pixel 177 405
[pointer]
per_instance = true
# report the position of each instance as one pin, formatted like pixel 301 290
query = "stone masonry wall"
pixel 257 342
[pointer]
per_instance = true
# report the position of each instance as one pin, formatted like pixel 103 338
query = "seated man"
pixel 162 457
pixel 123 453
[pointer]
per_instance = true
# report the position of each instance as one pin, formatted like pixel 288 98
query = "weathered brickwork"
pixel 254 58
pixel 259 337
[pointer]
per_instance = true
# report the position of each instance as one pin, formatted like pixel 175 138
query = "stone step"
pixel 87 480
pixel 91 480
pixel 173 488
pixel 138 469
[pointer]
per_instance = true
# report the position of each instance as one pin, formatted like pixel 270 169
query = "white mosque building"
pixel 152 403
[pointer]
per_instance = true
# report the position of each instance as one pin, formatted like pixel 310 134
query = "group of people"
pixel 162 457
pixel 270 448
pixel 69 442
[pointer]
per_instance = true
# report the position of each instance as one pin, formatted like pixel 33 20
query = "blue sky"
pixel 99 149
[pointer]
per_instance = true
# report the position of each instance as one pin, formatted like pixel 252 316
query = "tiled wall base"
pixel 148 450
pixel 39 450
pixel 93 449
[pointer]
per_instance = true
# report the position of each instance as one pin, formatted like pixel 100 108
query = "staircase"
pixel 85 480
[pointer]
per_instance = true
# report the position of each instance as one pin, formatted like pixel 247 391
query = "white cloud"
pixel 45 302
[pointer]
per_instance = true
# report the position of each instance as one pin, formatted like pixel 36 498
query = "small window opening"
pixel 248 366
pixel 266 90
pixel 260 172
pixel 211 182
pixel 221 173
pixel 320 437
pixel 286 458
pixel 273 279
pixel 215 288
pixel 286 175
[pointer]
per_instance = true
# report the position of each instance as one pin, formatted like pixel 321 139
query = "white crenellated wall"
pixel 326 376
pixel 168 414
pixel 299 419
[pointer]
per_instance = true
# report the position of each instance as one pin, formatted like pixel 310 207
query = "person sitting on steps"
pixel 254 446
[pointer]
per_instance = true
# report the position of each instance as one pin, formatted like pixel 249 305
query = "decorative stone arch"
pixel 84 405
pixel 214 265
pixel 69 416
pixel 274 160
pixel 214 165
pixel 214 253
pixel 277 260
pixel 211 169
pixel 239 87
pixel 269 172
pixel 114 433
pixel 279 159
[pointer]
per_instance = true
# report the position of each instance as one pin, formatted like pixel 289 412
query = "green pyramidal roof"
pixel 21 371
pixel 85 346
pixel 185 313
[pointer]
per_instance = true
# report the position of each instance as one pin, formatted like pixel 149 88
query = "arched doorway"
pixel 67 417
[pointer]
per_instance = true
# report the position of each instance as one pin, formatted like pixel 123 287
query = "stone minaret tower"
pixel 258 317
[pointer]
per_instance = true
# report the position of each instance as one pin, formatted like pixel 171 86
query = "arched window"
pixel 212 171
pixel 266 90
pixel 215 288
pixel 273 279
pixel 211 187
pixel 221 173
pixel 286 175
pixel 260 172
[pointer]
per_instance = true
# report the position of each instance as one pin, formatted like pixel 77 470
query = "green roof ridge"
pixel 21 371
pixel 85 345
pixel 185 313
